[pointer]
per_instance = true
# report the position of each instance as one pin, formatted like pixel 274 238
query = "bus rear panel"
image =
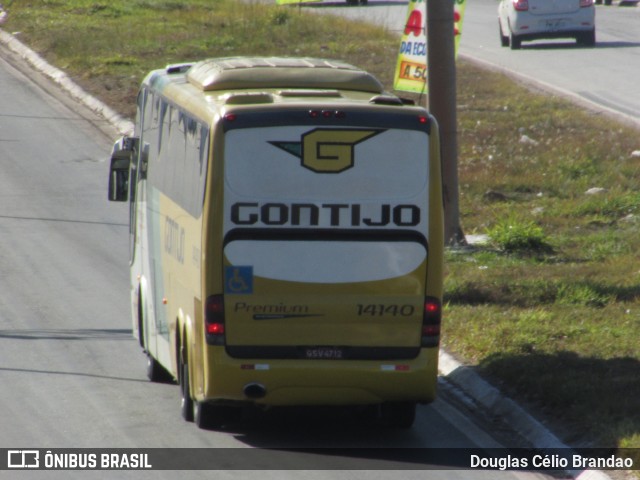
pixel 325 255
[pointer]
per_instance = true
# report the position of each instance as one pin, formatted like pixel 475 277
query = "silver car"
pixel 522 20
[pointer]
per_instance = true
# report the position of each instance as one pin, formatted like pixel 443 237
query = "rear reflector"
pixel 254 366
pixel 395 368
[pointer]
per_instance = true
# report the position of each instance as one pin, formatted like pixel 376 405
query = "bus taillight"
pixel 214 320
pixel 431 322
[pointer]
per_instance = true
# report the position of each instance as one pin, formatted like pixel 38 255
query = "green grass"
pixel 110 46
pixel 549 310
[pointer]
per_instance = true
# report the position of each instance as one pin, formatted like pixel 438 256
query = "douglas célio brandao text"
pixel 550 461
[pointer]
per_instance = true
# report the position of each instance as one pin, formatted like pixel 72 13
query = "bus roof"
pixel 280 72
pixel 206 86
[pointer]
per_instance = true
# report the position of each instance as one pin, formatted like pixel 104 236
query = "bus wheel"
pixel 215 416
pixel 398 414
pixel 204 416
pixel 186 404
pixel 155 371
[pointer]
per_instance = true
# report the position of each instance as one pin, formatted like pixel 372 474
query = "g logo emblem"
pixel 331 151
pixel 326 150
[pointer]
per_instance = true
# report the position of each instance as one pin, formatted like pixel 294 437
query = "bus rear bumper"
pixel 320 382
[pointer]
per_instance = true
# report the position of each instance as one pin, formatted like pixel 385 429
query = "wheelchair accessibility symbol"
pixel 238 280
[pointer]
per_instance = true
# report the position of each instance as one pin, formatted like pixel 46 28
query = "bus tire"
pixel 215 416
pixel 186 404
pixel 367 414
pixel 155 371
pixel 207 416
pixel 398 414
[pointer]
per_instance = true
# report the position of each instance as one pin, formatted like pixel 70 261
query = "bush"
pixel 518 236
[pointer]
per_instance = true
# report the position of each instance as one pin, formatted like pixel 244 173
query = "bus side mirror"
pixel 123 151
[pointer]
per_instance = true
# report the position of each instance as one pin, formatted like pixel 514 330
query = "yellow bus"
pixel 286 237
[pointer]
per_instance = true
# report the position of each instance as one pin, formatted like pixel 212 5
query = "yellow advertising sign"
pixel 411 67
pixel 458 16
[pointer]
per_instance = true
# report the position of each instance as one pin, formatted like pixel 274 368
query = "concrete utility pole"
pixel 441 68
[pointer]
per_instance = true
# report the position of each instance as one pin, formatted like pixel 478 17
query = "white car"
pixel 522 20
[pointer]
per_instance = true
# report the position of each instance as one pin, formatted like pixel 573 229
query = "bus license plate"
pixel 324 353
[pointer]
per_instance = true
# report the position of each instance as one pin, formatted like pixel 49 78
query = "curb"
pixel 515 416
pixel 122 125
pixel 462 376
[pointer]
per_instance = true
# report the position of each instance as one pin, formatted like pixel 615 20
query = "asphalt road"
pixel 71 375
pixel 606 77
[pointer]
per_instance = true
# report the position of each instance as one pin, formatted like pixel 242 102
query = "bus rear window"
pixel 322 164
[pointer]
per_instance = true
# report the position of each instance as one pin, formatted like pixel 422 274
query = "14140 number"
pixel 379 310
